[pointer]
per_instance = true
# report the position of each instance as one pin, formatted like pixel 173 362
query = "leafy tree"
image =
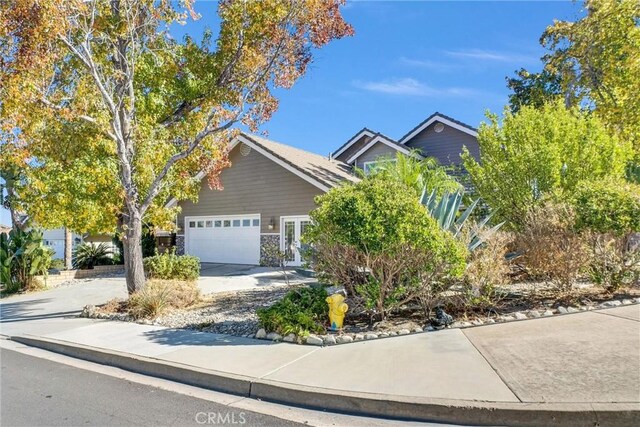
pixel 593 62
pixel 540 152
pixel 537 89
pixel 158 110
pixel 608 206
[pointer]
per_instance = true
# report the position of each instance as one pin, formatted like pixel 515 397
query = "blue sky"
pixel 406 60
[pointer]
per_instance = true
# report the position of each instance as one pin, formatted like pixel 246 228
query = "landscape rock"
pixel 383 335
pixel 428 328
pixel 562 310
pixel 547 313
pixel 477 322
pixel 273 336
pixel 627 301
pixel 358 337
pixel 289 338
pixel 572 310
pixel 520 316
pixel 342 339
pixel 404 332
pixel 417 329
pixel 534 313
pixel 261 334
pixel 314 340
pixel 370 336
pixel 507 318
pixel 489 321
pixel 329 339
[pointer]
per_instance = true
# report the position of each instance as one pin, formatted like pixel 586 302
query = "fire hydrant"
pixel 337 309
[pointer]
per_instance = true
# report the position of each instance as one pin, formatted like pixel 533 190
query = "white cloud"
pixel 412 87
pixel 491 56
pixel 428 64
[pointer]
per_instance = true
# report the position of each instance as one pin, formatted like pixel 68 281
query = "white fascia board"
pixel 373 142
pixel 352 141
pixel 443 121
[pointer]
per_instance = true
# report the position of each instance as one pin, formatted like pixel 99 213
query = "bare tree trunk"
pixel 68 247
pixel 133 254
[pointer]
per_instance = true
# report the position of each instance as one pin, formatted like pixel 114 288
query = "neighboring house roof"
pixel 355 138
pixel 379 138
pixel 439 117
pixel 313 168
pixel 5 228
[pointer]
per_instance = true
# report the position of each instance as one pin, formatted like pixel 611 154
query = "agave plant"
pixel 88 255
pixel 445 211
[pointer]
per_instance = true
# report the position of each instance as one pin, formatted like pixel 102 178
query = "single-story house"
pixel 270 187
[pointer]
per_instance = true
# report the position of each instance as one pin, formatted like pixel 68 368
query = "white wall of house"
pixel 54 239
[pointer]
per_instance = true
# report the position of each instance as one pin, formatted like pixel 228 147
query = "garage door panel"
pixel 213 242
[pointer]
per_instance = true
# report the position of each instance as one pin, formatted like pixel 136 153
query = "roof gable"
pixel 438 117
pixel 379 139
pixel 364 132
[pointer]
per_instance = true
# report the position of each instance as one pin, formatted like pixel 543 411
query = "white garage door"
pixel 233 239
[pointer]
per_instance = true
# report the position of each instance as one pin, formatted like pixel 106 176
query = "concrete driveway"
pixel 46 311
pixel 233 277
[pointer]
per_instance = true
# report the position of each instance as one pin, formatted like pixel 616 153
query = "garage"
pixel 232 239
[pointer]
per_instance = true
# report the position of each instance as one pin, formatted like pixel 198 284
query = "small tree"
pixel 538 152
pixel 377 240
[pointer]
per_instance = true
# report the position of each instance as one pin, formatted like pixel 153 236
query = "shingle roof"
pixel 320 168
pixel 444 116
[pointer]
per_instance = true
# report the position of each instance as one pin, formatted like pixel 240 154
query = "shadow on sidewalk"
pixel 180 337
pixel 22 311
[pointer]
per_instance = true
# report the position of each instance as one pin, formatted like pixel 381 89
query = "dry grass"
pixel 159 296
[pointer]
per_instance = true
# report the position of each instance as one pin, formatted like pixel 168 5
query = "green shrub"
pixel 170 266
pixel 377 240
pixel 23 256
pixel 57 264
pixel 608 206
pixel 300 312
pixel 87 255
pixel 538 152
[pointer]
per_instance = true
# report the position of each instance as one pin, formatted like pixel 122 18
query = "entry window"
pixel 227 223
pixel 256 222
pixel 200 224
pixel 208 224
pixel 246 222
pixel 192 224
pixel 236 223
pixel 217 223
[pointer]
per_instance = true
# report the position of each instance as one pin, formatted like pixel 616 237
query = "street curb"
pixel 186 374
pixel 356 403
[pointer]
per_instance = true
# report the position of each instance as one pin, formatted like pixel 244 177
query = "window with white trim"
pixel 371 166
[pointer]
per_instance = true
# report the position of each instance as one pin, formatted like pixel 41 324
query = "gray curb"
pixel 363 404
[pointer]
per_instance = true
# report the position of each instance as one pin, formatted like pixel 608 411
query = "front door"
pixel 292 227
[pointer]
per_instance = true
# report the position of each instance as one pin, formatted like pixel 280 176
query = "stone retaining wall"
pixel 54 279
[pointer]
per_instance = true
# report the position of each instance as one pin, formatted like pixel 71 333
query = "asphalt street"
pixel 39 392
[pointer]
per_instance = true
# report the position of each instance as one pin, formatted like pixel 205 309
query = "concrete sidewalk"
pixel 575 368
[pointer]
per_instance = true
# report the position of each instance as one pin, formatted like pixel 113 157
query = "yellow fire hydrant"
pixel 337 309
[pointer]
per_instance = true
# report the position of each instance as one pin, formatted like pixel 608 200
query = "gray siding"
pixel 446 146
pixel 254 184
pixel 373 153
pixel 357 146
